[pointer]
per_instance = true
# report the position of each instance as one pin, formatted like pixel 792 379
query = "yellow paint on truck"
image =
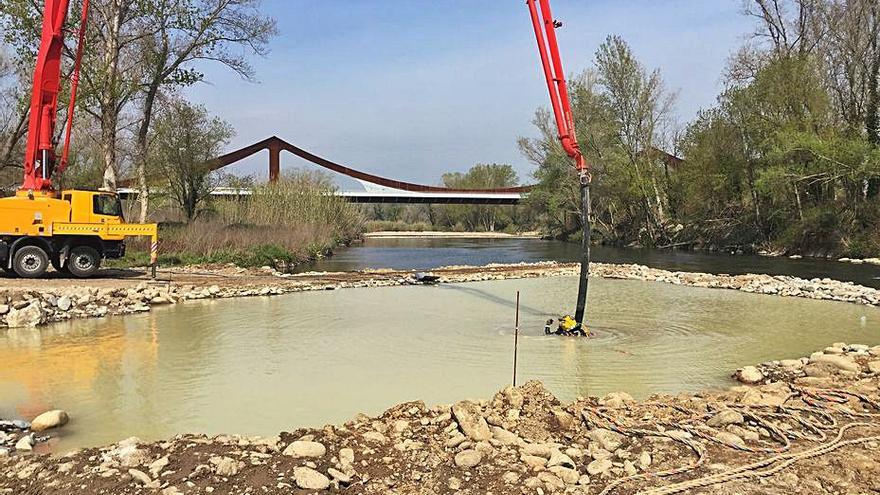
pixel 59 222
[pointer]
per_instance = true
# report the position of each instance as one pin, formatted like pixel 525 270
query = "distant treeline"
pixel 470 218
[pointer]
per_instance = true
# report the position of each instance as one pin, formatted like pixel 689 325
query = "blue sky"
pixel 410 88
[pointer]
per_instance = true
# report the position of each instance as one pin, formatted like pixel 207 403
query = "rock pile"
pixel 21 436
pixel 839 361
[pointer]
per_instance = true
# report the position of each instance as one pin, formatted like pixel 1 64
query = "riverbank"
pixel 118 292
pixel 809 424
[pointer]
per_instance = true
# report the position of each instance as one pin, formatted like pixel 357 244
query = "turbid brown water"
pixel 261 365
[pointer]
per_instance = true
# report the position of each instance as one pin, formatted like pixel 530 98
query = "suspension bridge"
pixel 377 189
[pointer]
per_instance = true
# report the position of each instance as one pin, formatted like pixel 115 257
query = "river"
pixel 263 365
pixel 426 253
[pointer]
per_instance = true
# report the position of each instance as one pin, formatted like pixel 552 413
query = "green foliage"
pixel 477 217
pixel 457 218
pixel 396 226
pixel 186 139
pixel 775 163
pixel 299 198
pixel 620 110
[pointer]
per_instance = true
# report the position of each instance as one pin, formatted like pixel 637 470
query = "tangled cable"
pixel 816 417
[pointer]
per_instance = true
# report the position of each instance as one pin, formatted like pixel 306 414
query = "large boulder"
pixel 28 316
pixel 725 417
pixel 226 466
pixel 471 421
pixel 598 467
pixel 143 478
pixel 468 458
pixel 749 375
pixel 515 397
pixel 128 453
pixel 64 303
pixel 342 478
pixel 50 419
pixel 557 458
pixel 606 439
pixel 730 438
pixel 25 443
pixel 301 448
pixel 616 400
pixel 346 457
pixel 567 475
pixel 505 437
pixel 843 363
pixel 309 479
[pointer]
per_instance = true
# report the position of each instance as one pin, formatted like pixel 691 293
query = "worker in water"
pixel 569 327
pixel 548 327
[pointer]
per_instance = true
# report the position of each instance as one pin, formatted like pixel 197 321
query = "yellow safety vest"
pixel 567 323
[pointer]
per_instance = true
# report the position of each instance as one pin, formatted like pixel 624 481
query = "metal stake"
pixel 516 339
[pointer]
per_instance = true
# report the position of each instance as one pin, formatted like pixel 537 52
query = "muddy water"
pixel 262 365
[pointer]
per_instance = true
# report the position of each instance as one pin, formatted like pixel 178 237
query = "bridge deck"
pixel 389 196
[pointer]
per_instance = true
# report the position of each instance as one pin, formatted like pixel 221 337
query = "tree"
pixel 556 196
pixel 851 57
pixel 13 114
pixel 181 32
pixel 789 27
pixel 479 217
pixel 621 112
pixel 640 105
pixel 186 139
pixel 134 50
pixel 110 69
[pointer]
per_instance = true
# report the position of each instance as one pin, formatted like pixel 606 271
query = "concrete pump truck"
pixel 71 230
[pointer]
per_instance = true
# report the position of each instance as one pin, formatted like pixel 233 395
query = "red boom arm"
pixel 39 159
pixel 545 33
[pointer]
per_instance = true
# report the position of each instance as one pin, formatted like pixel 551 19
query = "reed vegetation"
pixel 292 220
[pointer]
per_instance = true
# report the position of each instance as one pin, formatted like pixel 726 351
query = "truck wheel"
pixel 83 261
pixel 30 262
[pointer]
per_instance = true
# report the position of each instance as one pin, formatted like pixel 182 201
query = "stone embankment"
pixel 57 300
pixel 808 425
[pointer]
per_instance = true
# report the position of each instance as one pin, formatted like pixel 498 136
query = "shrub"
pixel 292 220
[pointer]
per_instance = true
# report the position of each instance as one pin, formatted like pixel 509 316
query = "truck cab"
pixel 94 206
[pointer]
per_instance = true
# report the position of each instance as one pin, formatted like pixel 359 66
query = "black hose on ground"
pixel 584 283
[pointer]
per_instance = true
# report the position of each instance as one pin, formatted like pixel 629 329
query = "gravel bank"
pixel 804 425
pixel 24 305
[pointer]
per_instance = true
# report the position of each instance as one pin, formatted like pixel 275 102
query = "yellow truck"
pixel 71 230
